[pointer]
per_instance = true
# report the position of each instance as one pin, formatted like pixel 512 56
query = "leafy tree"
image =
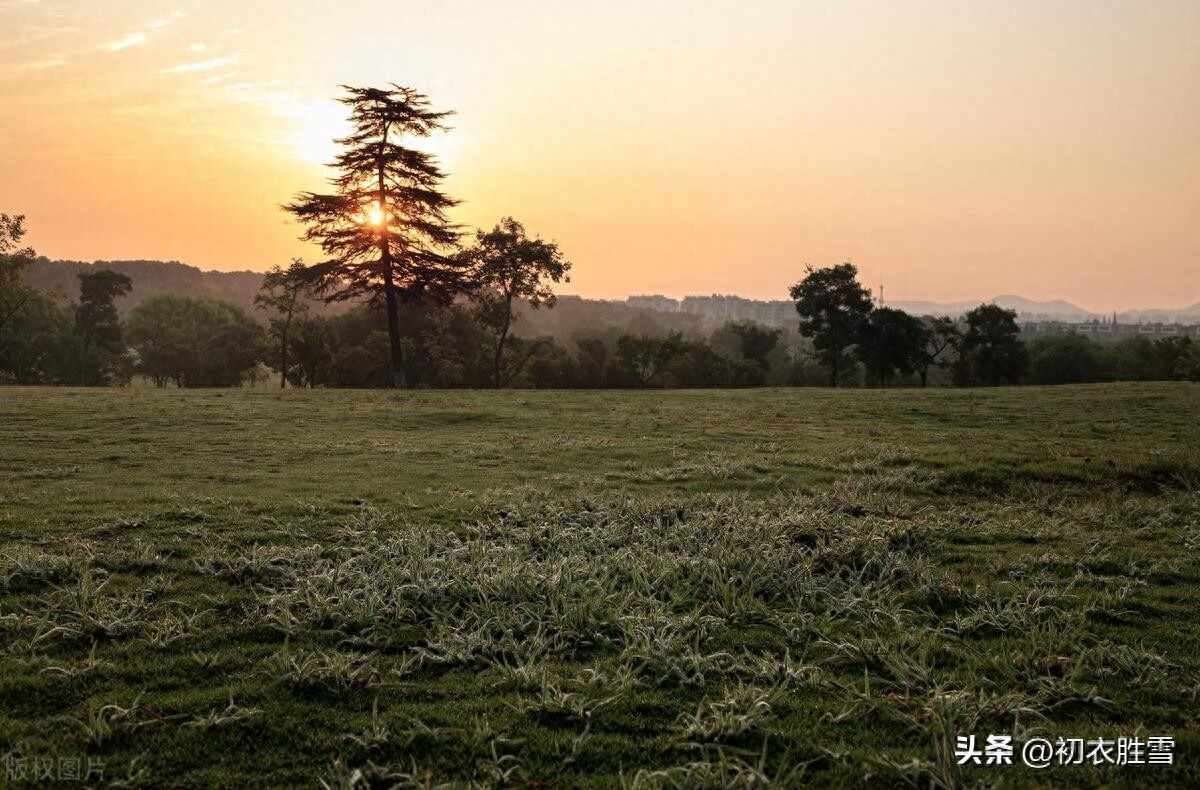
pixel 992 352
pixel 97 325
pixel 311 349
pixel 832 307
pixel 358 346
pixel 455 348
pixel 1172 357
pixel 283 291
pixel 941 341
pixel 35 344
pixel 698 365
pixel 549 364
pixel 750 343
pixel 646 358
pixel 891 341
pixel 193 341
pixel 593 359
pixel 385 227
pixel 13 260
pixel 34 330
pixel 512 267
pixel 1063 359
pixel 1190 365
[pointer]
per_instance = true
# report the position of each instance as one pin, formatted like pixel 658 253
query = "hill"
pixel 1057 308
pixel 149 279
pixel 573 312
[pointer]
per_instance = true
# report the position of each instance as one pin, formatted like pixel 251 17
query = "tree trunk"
pixel 833 369
pixel 283 349
pixel 389 290
pixel 389 285
pixel 496 363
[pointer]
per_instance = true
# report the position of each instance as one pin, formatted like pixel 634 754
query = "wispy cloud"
pixel 172 17
pixel 132 40
pixel 140 37
pixel 203 65
pixel 49 63
pixel 197 47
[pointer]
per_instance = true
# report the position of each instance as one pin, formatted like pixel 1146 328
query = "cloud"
pixel 203 65
pixel 132 40
pixel 49 63
pixel 140 37
pixel 197 47
pixel 172 17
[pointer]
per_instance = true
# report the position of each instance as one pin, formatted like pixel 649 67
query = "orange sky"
pixel 953 150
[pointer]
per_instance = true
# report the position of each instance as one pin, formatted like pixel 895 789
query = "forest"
pixel 70 324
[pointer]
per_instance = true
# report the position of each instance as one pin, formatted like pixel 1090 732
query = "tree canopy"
pixel 991 350
pixel 13 260
pixel 97 325
pixel 283 292
pixel 193 342
pixel 384 226
pixel 891 341
pixel 509 266
pixel 832 307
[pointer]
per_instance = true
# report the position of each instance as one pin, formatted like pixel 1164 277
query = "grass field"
pixel 249 588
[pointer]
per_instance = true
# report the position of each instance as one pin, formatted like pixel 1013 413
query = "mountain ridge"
pixel 239 287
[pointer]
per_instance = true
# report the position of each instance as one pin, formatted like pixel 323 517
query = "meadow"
pixel 603 588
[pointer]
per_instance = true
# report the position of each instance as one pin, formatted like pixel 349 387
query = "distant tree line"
pixel 194 341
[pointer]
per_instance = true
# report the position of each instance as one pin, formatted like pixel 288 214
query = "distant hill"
pixel 155 277
pixel 151 278
pixel 1056 310
pixel 1026 307
pixel 1184 315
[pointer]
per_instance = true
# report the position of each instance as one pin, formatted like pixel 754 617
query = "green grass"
pixel 222 588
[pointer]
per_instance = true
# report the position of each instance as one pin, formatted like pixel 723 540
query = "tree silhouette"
pixel 510 266
pixel 647 357
pixel 942 338
pixel 384 227
pixel 193 341
pixel 97 325
pixel 283 290
pixel 891 341
pixel 992 352
pixel 13 260
pixel 832 307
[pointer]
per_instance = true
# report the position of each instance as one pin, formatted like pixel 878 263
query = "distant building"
pixel 722 307
pixel 1106 329
pixel 663 304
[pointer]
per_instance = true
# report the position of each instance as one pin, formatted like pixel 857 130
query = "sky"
pixel 952 150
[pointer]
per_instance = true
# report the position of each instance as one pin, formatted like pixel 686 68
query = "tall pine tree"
pixel 384 227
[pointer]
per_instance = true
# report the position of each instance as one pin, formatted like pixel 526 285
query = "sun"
pixel 372 215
